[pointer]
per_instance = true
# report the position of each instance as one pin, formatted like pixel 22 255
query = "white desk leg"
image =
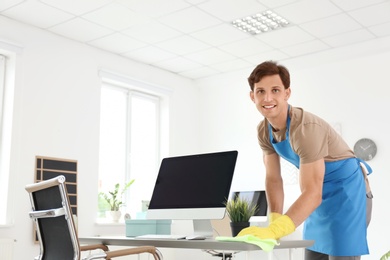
pixel 270 255
pixel 290 254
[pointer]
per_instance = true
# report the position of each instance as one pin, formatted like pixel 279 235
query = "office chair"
pixel 224 255
pixel 56 230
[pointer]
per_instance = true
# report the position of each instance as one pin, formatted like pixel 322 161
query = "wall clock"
pixel 365 149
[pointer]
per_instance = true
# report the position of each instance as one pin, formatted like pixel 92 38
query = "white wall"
pixel 57 114
pixel 57 99
pixel 348 87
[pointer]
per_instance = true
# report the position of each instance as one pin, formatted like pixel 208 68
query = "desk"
pixel 190 244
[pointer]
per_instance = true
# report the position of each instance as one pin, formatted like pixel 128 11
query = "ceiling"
pixel 194 38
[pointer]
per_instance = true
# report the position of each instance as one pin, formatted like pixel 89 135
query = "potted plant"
pixel 113 199
pixel 386 256
pixel 239 211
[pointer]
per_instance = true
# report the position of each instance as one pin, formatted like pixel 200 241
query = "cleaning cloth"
pixel 266 244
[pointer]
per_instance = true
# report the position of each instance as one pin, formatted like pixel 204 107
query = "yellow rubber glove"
pixel 280 227
pixel 273 216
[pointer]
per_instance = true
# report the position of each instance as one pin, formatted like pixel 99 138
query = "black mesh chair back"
pixel 53 220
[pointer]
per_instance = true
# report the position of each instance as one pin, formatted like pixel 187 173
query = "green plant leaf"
pixel 114 197
pixel 386 256
pixel 240 210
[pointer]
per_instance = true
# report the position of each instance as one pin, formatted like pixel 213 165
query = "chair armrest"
pixel 122 252
pixel 94 247
pixel 137 250
pixel 50 213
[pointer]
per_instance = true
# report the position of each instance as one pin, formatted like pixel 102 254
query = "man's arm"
pixel 274 183
pixel 311 181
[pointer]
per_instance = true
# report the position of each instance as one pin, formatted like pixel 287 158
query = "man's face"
pixel 270 96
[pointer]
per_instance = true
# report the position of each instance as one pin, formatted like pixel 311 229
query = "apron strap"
pixel 366 169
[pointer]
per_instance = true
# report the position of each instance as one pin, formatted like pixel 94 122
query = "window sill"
pixel 108 222
pixel 6 225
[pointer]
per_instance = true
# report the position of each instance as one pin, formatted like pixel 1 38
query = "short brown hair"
pixel 269 68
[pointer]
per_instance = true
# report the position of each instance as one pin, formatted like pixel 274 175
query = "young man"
pixel 333 185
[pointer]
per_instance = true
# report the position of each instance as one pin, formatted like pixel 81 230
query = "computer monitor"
pixel 193 187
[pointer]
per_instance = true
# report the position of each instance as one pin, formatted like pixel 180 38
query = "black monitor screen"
pixel 257 197
pixel 194 181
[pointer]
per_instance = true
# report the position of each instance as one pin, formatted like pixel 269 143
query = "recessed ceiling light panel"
pixel 260 22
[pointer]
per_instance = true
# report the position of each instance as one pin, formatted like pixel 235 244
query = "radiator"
pixel 7 248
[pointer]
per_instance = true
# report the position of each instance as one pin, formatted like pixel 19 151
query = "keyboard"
pixel 162 237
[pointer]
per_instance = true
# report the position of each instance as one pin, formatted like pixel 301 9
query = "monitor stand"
pixel 202 227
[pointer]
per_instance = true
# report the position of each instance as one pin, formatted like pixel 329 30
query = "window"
pixel 3 175
pixel 7 62
pixel 130 134
pixel 2 77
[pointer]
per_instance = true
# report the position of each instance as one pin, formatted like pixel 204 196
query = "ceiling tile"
pixel 381 30
pixel 373 15
pixel 189 20
pixel 37 14
pixel 117 43
pixel 305 48
pixel 355 4
pixel 178 64
pixel 220 34
pixel 298 12
pixel 348 38
pixel 228 10
pixel 269 55
pixel 285 37
pixel 115 16
pixel 331 25
pixel 4 4
pixel 87 31
pixel 183 45
pixel 151 32
pixel 154 8
pixel 196 2
pixel 231 65
pixel 199 73
pixel 149 55
pixel 77 7
pixel 278 3
pixel 245 47
pixel 210 56
pixel 194 38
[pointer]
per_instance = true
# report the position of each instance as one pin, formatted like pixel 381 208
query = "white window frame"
pixel 157 94
pixel 8 54
pixel 2 88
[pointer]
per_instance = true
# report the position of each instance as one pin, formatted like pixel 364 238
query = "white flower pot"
pixel 115 215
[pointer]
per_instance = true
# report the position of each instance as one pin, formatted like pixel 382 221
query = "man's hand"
pixel 278 228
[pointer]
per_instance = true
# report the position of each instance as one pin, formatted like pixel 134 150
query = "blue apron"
pixel 338 225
